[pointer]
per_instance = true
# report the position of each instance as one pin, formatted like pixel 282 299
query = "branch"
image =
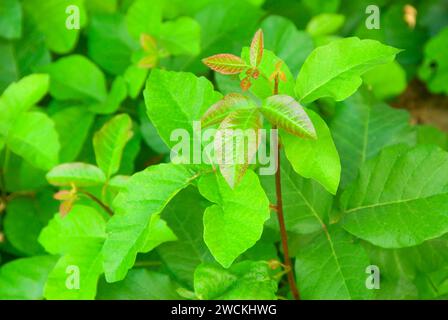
pixel 98 201
pixel 280 216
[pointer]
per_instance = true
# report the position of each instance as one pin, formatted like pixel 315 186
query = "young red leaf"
pixel 148 43
pixel 256 48
pixel 221 109
pixel 63 195
pixel 65 207
pixel 225 63
pixel 148 62
pixel 286 113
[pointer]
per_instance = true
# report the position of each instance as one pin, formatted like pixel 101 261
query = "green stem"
pixel 4 169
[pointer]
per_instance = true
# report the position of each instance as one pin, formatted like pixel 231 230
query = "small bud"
pixel 148 43
pixel 2 237
pixel 274 264
pixel 2 205
pixel 63 195
pixel 410 16
pixel 256 74
pixel 245 84
pixel 148 62
pixel 282 76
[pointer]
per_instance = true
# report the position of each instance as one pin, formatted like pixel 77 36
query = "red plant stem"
pixel 281 218
pixel 98 201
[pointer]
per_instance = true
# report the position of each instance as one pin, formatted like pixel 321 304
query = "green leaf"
pixel 79 229
pixel 245 280
pixel 140 284
pixel 386 80
pixel 236 143
pixel 320 6
pixel 78 237
pixel 118 93
pixel 362 127
pixel 286 113
pixel 50 18
pixel 30 52
pixel 76 78
pixel 146 194
pixel 8 68
pixel 135 78
pixel 306 204
pixel 144 17
pixel 73 125
pixel 77 173
pixel 402 270
pixel 315 159
pixel 427 134
pixel 21 176
pixel 109 43
pixel 158 233
pixel 24 279
pixel 332 267
pixel 291 45
pixel 101 6
pixel 88 260
pixel 435 67
pixel 110 141
pixel 224 26
pixel 10 19
pixel 433 15
pixel 35 139
pixel 181 36
pixel 395 31
pixel 335 70
pixel 427 257
pixel 181 257
pixel 24 220
pixel 325 24
pixel 235 222
pixel 175 99
pixel 20 97
pixel 400 197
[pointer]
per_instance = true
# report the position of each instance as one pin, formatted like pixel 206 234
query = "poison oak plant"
pixel 277 174
pixel 237 197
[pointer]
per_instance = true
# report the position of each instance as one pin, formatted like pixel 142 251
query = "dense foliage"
pixel 98 202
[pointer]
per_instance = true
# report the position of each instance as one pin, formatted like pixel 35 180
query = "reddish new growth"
pixel 226 63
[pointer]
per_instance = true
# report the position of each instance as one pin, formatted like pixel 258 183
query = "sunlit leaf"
pixel 225 63
pixel 335 70
pixel 79 174
pixel 286 113
pixel 109 143
pixel 234 223
pixel 256 48
pixel 220 110
pixel 236 143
